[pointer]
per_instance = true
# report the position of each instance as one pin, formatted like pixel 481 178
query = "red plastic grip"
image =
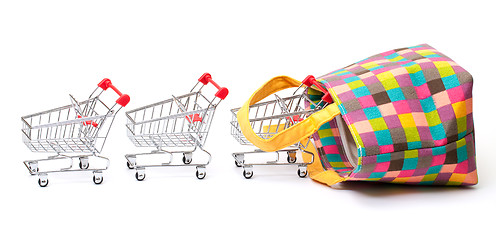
pixel 123 99
pixel 222 91
pixel 310 80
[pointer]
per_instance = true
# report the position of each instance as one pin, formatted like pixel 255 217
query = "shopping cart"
pixel 79 129
pixel 270 117
pixel 180 124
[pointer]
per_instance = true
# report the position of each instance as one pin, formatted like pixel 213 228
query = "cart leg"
pixel 239 159
pixel 302 171
pixel 201 172
pixel 97 177
pixel 83 163
pixel 43 179
pixel 248 171
pixel 131 161
pixel 140 174
pixel 33 167
pixel 187 157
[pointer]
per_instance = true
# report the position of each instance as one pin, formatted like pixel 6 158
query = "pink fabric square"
pixel 423 91
pixel 441 142
pixel 419 118
pixel 441 99
pixel 331 149
pixel 406 173
pixel 461 167
pixel 438 160
pixel 363 126
pixel 456 94
pixel 402 107
pixel 367 101
pixel 387 109
pixel 386 149
pixel 382 167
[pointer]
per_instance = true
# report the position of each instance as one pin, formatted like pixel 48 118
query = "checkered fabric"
pixel 409 111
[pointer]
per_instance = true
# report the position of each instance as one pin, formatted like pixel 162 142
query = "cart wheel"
pixel 140 177
pixel 85 166
pixel 97 180
pixel 201 174
pixel 186 160
pixel 237 163
pixel 43 182
pixel 247 174
pixel 129 165
pixel 291 157
pixel 302 173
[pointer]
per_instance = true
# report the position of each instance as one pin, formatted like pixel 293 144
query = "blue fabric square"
pixel 417 78
pixel 434 169
pixel 414 145
pixel 351 79
pixel 450 81
pixel 391 56
pixel 438 132
pixel 361 91
pixel 372 112
pixel 410 163
pixel 386 157
pixel 427 104
pixel 383 137
pixel 328 141
pixel 395 94
pixel 438 151
pixel 377 174
pixel 461 153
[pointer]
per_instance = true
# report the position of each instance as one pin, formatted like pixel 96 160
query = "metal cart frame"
pixel 79 129
pixel 181 122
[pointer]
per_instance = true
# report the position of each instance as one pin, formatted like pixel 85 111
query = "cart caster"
pixel 97 179
pixel 129 165
pixel 237 163
pixel 201 173
pixel 302 172
pixel 247 173
pixel 291 157
pixel 33 167
pixel 187 158
pixel 140 176
pixel 43 181
pixel 83 163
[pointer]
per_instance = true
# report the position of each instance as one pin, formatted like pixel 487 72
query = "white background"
pixel 152 49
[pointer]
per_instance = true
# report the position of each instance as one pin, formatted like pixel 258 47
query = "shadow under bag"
pixel 402 116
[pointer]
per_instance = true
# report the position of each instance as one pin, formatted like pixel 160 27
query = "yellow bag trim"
pixel 299 132
pixel 288 136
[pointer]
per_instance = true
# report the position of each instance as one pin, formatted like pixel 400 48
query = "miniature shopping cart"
pixel 180 124
pixel 270 117
pixel 79 129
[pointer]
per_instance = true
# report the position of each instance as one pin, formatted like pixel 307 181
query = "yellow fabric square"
pixel 424 52
pixel 460 109
pixel 400 180
pixel 356 84
pixel 430 177
pixel 444 68
pixel 378 124
pixel 411 154
pixel 413 69
pixel 325 132
pixel 457 177
pixel 462 142
pixel 370 65
pixel 433 118
pixel 412 134
pixel 406 120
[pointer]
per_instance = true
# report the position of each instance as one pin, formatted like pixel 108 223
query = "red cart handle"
pixel 123 99
pixel 222 91
pixel 310 80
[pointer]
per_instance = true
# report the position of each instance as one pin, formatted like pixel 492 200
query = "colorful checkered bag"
pixel 405 117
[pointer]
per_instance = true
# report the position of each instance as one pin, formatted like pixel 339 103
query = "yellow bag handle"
pixel 291 135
